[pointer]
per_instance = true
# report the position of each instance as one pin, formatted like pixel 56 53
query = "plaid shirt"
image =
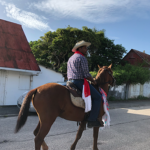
pixel 77 67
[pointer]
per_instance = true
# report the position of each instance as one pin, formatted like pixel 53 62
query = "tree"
pixel 106 53
pixel 54 48
pixel 130 74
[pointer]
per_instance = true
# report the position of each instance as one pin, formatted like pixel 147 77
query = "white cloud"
pixel 97 11
pixel 26 18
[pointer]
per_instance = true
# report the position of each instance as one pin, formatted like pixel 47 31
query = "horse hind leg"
pixel 79 134
pixel 44 145
pixel 44 128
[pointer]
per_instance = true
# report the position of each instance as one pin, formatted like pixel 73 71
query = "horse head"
pixel 105 76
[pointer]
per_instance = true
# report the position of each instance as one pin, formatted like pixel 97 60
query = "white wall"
pixel 117 91
pixel 146 89
pixel 2 86
pixel 133 91
pixel 139 89
pixel 46 76
pixel 13 85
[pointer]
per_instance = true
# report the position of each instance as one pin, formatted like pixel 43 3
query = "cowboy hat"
pixel 79 44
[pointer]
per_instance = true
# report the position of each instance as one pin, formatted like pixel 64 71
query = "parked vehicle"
pixel 21 98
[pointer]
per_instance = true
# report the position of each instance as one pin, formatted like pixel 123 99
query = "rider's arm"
pixel 85 68
pixel 92 80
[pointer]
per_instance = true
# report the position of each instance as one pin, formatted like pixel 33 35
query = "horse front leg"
pixel 78 135
pixel 95 136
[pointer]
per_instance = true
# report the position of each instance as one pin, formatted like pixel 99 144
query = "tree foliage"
pixel 54 48
pixel 93 73
pixel 130 74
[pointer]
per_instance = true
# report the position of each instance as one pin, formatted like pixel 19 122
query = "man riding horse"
pixel 77 71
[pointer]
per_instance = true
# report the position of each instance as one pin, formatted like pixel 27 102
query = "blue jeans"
pixel 96 99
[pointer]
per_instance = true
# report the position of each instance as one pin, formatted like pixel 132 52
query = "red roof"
pixel 15 51
pixel 135 57
pixel 144 56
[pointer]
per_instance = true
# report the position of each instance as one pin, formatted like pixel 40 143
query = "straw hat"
pixel 79 44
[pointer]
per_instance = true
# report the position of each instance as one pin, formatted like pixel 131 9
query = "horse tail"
pixel 23 113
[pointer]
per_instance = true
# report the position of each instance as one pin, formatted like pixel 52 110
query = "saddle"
pixel 75 95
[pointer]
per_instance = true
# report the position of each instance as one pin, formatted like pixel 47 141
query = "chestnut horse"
pixel 52 100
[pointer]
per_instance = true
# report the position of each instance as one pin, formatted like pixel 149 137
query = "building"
pixel 19 71
pixel 46 75
pixel 135 57
pixel 17 63
pixel 124 91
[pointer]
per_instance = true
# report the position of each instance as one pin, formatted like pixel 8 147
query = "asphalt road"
pixel 129 130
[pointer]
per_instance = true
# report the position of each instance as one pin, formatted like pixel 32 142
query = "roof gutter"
pixel 29 72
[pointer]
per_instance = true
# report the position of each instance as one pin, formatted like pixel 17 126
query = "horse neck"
pixel 104 87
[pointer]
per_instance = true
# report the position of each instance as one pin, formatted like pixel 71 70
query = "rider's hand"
pixel 94 82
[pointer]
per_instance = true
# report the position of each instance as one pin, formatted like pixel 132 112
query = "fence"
pixel 130 91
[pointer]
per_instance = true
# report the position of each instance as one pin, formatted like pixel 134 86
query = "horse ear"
pixel 110 66
pixel 98 66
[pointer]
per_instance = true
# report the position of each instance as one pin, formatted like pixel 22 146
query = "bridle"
pixel 113 82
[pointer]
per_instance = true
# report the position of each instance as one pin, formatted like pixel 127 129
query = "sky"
pixel 127 22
